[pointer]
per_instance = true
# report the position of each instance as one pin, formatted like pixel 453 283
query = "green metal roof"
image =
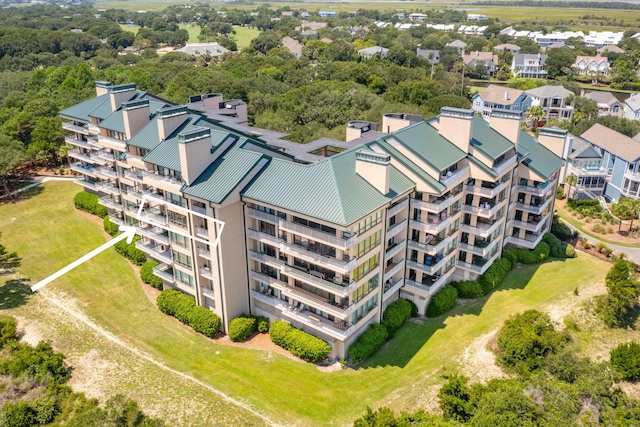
pixel 482 166
pixel 166 153
pixel 489 141
pixel 81 111
pixel 148 137
pixel 224 175
pixel 540 160
pixel 427 143
pixel 329 190
pixel 115 121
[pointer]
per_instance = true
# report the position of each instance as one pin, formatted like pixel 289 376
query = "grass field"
pixel 193 30
pixel 131 28
pixel 244 35
pixel 402 375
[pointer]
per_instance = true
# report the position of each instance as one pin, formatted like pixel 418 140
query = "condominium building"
pixel 325 245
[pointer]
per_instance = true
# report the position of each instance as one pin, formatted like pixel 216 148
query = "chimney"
pixel 356 128
pixel 196 152
pixel 392 122
pixel 169 119
pixel 456 125
pixel 102 88
pixel 506 95
pixel 555 139
pixel 506 123
pixel 135 115
pixel 120 93
pixel 374 168
pixel 212 100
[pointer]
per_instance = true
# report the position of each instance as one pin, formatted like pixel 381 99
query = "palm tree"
pixel 535 113
pixel 571 181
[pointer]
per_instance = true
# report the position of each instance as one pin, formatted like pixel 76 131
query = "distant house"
pixel 496 97
pixel 370 52
pixel 433 56
pixel 311 25
pixel 476 17
pixel 608 105
pixel 458 44
pixel 529 65
pixel 293 45
pixel 305 15
pixel 585 162
pixel 552 99
pixel 609 48
pixel 513 48
pixel 326 40
pixel 327 14
pixel 632 107
pixel 591 65
pixel 309 33
pixel 418 16
pixel 488 59
pixel 288 13
pixel 212 49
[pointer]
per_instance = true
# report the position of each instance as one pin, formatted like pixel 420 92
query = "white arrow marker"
pixel 127 233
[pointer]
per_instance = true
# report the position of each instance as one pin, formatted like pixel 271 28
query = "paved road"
pixel 633 253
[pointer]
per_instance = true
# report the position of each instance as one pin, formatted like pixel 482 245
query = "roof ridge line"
pixel 337 189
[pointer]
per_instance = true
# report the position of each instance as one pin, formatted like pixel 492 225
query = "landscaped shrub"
pixel 396 314
pixel 183 307
pixel 539 254
pixel 557 248
pixel 510 254
pixel 561 231
pixel 468 289
pixel 625 360
pixel 241 328
pixel 130 251
pixel 442 302
pixel 147 276
pixel 414 309
pixel 570 252
pixel 494 275
pixel 8 328
pixel 298 342
pixel 88 202
pixel 110 227
pixel 369 342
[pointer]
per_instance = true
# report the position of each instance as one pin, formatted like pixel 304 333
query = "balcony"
pixel 482 229
pixel 268 280
pixel 264 237
pixel 478 267
pixel 391 287
pixel 73 141
pixel 164 272
pixel 106 155
pixel 395 229
pixel 206 272
pixel 431 266
pixel 529 225
pixel 116 219
pixel 199 209
pixel 634 176
pixel 154 214
pixel 393 269
pixel 539 189
pixel 113 143
pixel 155 251
pixel 487 192
pixel 341 266
pixel 584 171
pixel 204 253
pixel 530 241
pixel 435 225
pixel 316 301
pixel 435 204
pixel 107 188
pixel 535 209
pixel 156 180
pixel 267 217
pixel 75 128
pixel 110 203
pixel 452 177
pixel 106 172
pixel 484 210
pixel 398 208
pixel 418 285
pixel 506 164
pixel 481 248
pixel 207 292
pixel 83 169
pixel 155 233
pixel 133 175
pixel 86 157
pixel 317 235
pixel 394 250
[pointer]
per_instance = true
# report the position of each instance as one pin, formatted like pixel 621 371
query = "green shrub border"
pixel 183 307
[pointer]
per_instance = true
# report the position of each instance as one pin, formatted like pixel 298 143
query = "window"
pixel 183 278
pixel 175 199
pixel 367 244
pixel 364 268
pixel 179 239
pixel 177 219
pixel 181 259
pixel 364 290
pixel 368 222
pixel 366 308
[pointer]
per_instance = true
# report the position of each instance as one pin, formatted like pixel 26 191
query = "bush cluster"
pixel 538 255
pixel 130 251
pixel 443 301
pixel 88 202
pixel 494 275
pixel 557 248
pixel 8 329
pixel 561 231
pixel 625 360
pixel 243 326
pixel 298 342
pixel 622 295
pixel 110 227
pixel 369 342
pixel 147 276
pixel 184 308
pixel 468 289
pixel 396 314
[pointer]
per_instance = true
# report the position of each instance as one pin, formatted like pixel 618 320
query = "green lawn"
pixel 193 30
pixel 48 234
pixel 131 28
pixel 244 35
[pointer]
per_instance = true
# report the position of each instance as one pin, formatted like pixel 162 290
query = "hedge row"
pixel 561 231
pixel 129 251
pixel 243 326
pixel 525 256
pixel 495 274
pixel 184 308
pixel 443 301
pixel 369 342
pixel 468 289
pixel 396 314
pixel 88 202
pixel 298 342
pixel 147 276
pixel 557 248
pixel 110 227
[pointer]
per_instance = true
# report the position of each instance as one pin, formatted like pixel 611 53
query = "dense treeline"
pixel 563 4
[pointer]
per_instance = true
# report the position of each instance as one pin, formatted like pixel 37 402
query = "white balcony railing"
pixel 398 208
pixel 74 128
pixel 271 219
pixel 317 235
pixel 395 229
pixel 437 205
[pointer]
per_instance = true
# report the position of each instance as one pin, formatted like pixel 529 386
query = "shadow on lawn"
pixel 410 339
pixel 14 293
pixel 24 195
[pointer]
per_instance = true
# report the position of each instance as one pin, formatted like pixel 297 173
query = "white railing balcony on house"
pixel 398 208
pixel 158 252
pixel 417 285
pixel 84 183
pixel 107 172
pixel 452 177
pixel 419 246
pixel 480 267
pixel 199 209
pixel 154 214
pixel 396 229
pixel 207 292
pixel 266 259
pixel 635 176
pixel 86 157
pixel 206 272
pixel 317 235
pixel 483 249
pixel 528 242
pixel 391 287
pixel 116 219
pixel 264 216
pixel 481 229
pixel 154 179
pixel 164 272
pixel 538 190
pixel 341 266
pixel 93 129
pixel 394 250
pixel 506 164
pixel 133 175
pixel 484 210
pixel 435 226
pixel 105 187
pixel 531 226
pixel 582 171
pixel 437 205
pixel 73 141
pixel 204 252
pixel 485 191
pixel 201 232
pixel 268 280
pixel 315 301
pixel 113 143
pixel 75 128
pixel 106 155
pixel 83 169
pixel 431 269
pixel 393 269
pixel 536 209
pixel 155 233
pixel 110 203
pixel 264 237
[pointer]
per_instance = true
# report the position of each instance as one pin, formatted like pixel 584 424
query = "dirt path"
pixel 67 307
